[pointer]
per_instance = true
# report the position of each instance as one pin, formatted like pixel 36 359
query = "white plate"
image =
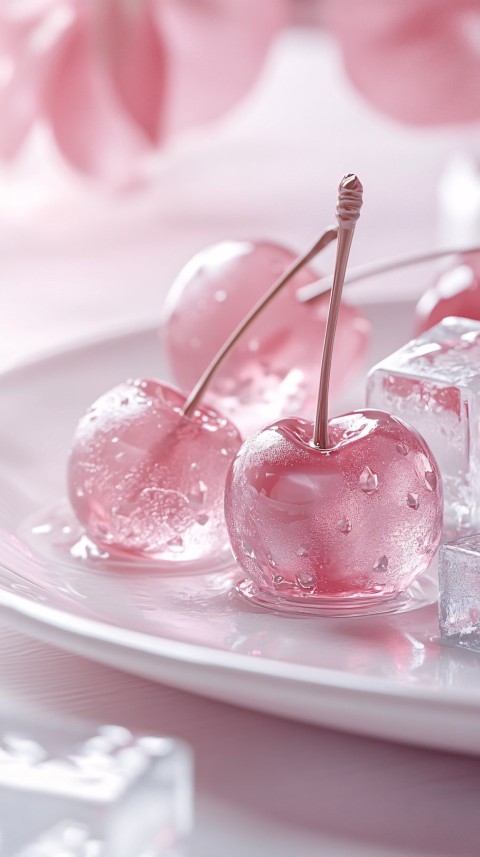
pixel 385 675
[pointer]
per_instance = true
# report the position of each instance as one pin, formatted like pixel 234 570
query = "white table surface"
pixel 75 262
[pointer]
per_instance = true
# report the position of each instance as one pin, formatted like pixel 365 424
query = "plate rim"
pixel 200 655
pixel 70 624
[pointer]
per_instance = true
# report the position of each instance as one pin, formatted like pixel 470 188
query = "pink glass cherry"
pixel 148 465
pixel 268 373
pixel 339 515
pixel 145 478
pixel 456 292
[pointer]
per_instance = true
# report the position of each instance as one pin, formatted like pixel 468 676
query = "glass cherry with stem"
pixel 148 464
pixel 337 515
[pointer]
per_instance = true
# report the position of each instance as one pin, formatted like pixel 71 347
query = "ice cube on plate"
pixel 433 383
pixel 107 794
pixel 459 603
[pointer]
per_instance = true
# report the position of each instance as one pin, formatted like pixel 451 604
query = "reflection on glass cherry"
pixel 456 292
pixel 358 520
pixel 338 513
pixel 144 478
pixel 268 373
pixel 148 464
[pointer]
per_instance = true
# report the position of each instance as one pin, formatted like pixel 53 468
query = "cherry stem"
pixel 350 197
pixel 328 236
pixel 372 269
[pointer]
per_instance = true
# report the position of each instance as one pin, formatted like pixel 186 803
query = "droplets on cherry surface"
pixel 329 531
pixel 146 479
pixel 337 516
pixel 269 372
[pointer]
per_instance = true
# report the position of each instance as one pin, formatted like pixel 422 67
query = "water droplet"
pixel 430 480
pixel 302 551
pixel 413 501
pixel 220 296
pixel 119 456
pixel 278 579
pixel 402 448
pixel 202 520
pixel 198 494
pixel 248 550
pixel 368 480
pixel 175 544
pixel 80 492
pixel 344 525
pixel 305 581
pixel 253 345
pixel 42 528
pixel 381 564
pixel 223 451
pixel 271 560
pixel 115 439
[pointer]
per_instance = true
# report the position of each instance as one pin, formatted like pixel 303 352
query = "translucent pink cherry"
pixel 148 465
pixel 456 292
pixel 144 478
pixel 397 54
pixel 268 374
pixel 333 515
pixel 344 527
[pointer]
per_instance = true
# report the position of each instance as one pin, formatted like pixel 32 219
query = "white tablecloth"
pixel 75 262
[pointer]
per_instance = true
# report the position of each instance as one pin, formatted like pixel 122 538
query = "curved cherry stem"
pixel 328 236
pixel 350 198
pixel 372 269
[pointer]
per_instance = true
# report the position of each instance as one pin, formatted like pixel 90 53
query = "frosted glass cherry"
pixel 146 479
pixel 349 525
pixel 268 374
pixel 337 515
pixel 456 292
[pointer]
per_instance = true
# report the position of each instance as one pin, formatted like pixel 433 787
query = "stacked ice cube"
pixel 106 794
pixel 459 606
pixel 433 383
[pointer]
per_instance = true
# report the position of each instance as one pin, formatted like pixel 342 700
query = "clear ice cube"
pixel 433 383
pixel 459 603
pixel 107 794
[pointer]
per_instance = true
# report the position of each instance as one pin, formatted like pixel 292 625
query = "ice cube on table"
pixel 459 603
pixel 433 383
pixel 107 794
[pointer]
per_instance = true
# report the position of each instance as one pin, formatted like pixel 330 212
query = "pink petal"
pixel 92 129
pixel 136 59
pixel 30 37
pixel 417 61
pixel 215 49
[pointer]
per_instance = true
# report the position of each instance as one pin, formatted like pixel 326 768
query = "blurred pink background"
pixel 77 258
pixel 295 95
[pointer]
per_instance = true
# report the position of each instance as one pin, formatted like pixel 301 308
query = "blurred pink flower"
pixel 114 78
pixel 417 60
